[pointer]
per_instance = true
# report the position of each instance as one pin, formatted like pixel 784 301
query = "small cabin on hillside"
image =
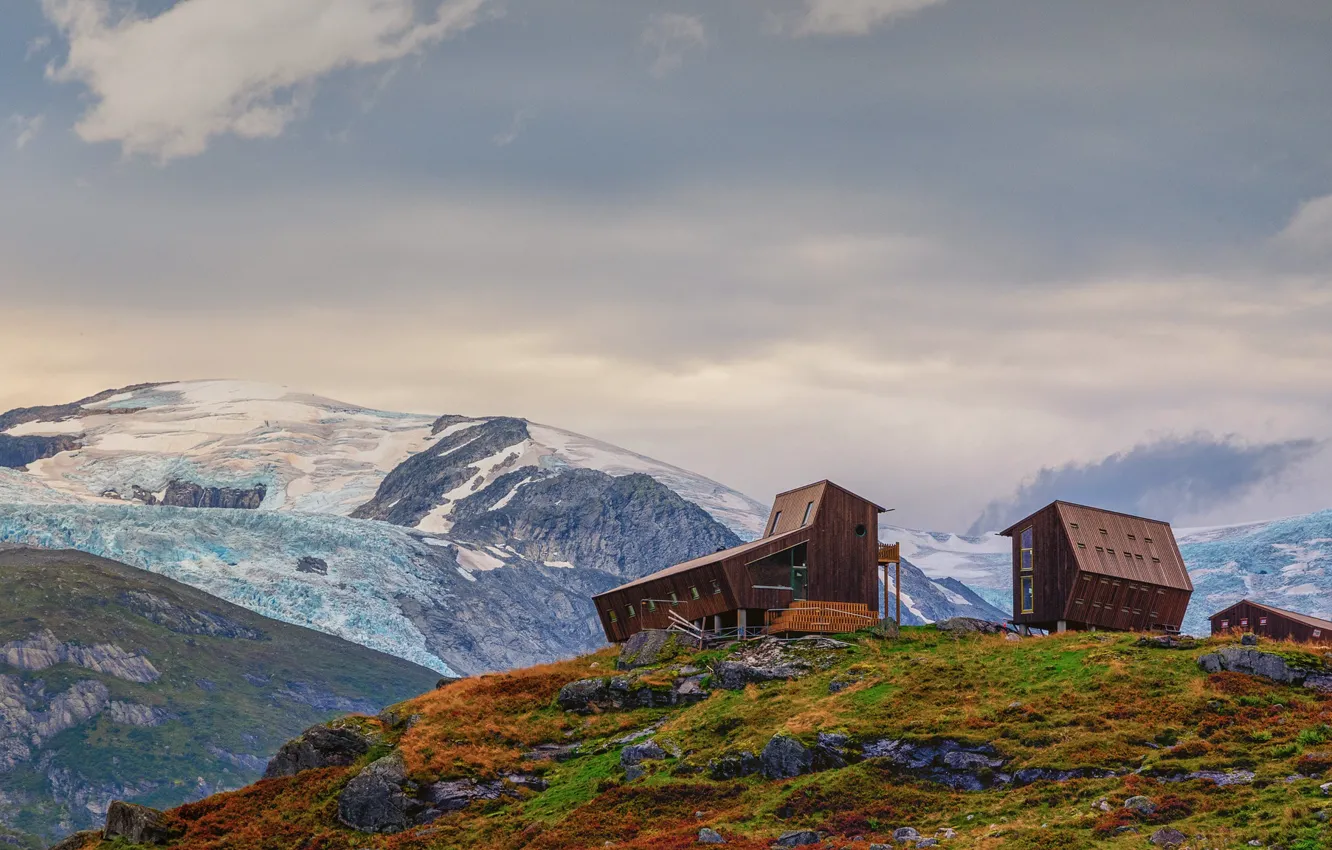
pixel 820 545
pixel 1078 567
pixel 1276 623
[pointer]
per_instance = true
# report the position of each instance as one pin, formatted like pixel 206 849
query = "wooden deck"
pixel 825 618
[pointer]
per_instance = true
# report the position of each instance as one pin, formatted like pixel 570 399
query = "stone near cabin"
pixel 797 838
pixel 578 696
pixel 707 835
pixel 905 834
pixel 648 647
pixel 735 766
pixel 318 746
pixel 374 801
pixel 639 753
pixel 137 824
pixel 1249 640
pixel 969 625
pixel 1167 642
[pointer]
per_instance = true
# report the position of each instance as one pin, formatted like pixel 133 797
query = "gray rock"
pixel 312 565
pixel 1249 640
pixel 707 835
pixel 1167 837
pixel 459 794
pixel 945 833
pixel 552 752
pixel 186 621
pixel 1167 642
pixel 1253 662
pixel 735 675
pixel 831 751
pixel 647 648
pixel 318 746
pixel 634 771
pixel 797 838
pixel 137 824
pixel 639 753
pixel 1141 806
pixel 77 840
pixel 785 757
pixel 905 834
pixel 969 625
pixel 374 801
pixel 578 696
pixel 735 766
pixel 927 842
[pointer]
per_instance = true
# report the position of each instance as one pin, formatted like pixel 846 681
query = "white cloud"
pixel 1309 231
pixel 166 85
pixel 851 17
pixel 36 46
pixel 671 36
pixel 28 127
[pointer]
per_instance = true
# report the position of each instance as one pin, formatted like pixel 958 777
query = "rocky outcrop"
pixel 186 621
pixel 969 625
pixel 18 452
pixel 61 412
pixel 78 840
pixel 319 746
pixel 1265 665
pixel 770 660
pixel 137 824
pixel 44 649
pixel 1168 837
pixel 375 799
pixel 323 700
pixel 314 566
pixel 649 647
pixel 735 766
pixel 133 714
pixel 187 494
pixel 798 838
pixel 1167 642
pixel 785 758
pixel 629 692
pixel 948 762
pixel 26 723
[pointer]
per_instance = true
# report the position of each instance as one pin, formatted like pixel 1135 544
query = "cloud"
pixel 28 128
pixel 851 17
pixel 671 36
pixel 1309 231
pixel 514 130
pixel 36 46
pixel 165 85
pixel 1166 479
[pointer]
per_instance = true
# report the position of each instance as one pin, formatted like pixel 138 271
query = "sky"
pixel 961 256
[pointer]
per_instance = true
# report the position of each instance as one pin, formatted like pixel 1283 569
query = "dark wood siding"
pixel 1053 569
pixel 1279 625
pixel 844 564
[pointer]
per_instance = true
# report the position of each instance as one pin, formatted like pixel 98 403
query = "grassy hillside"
pixel 1089 702
pixel 232 687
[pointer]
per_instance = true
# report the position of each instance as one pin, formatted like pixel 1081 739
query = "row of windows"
pixel 651 604
pixel 1133 537
pixel 1262 621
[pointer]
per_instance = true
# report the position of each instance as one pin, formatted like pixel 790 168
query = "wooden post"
pixel 897 585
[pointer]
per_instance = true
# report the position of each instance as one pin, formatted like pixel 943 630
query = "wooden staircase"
pixel 821 618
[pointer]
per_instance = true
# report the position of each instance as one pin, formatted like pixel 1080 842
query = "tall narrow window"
pixel 809 509
pixel 652 605
pixel 613 618
pixel 632 612
pixel 1027 557
pixel 716 587
pixel 675 598
pixel 776 518
pixel 693 592
pixel 1028 595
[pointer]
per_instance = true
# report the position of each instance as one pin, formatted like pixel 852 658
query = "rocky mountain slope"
pixel 463 544
pixel 119 684
pixel 952 738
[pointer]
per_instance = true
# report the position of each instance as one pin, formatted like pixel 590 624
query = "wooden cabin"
pixel 821 544
pixel 1078 567
pixel 1275 623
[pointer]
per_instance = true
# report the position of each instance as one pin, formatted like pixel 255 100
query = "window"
pixel 1128 556
pixel 1154 614
pixel 1028 595
pixel 776 518
pixel 1109 551
pixel 1073 525
pixel 1139 557
pixel 1225 624
pixel 693 592
pixel 809 509
pixel 675 599
pixel 1099 549
pixel 861 530
pixel 1131 537
pixel 1318 632
pixel 1156 560
pixel 1077 601
pixel 1082 545
pixel 1146 540
pixel 652 605
pixel 1028 558
pixel 1262 621
pixel 632 612
pixel 613 618
pixel 1244 622
pixel 716 587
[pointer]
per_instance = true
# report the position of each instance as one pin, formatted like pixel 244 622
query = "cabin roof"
pixel 1280 612
pixel 1160 563
pixel 714 558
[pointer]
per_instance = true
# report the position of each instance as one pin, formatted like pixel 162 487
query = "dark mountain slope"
pixel 117 683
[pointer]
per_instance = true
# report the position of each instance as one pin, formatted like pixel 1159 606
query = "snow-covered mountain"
pixel 460 543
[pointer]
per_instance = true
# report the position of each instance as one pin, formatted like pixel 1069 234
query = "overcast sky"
pixel 957 255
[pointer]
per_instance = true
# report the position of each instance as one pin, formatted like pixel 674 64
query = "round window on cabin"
pixel 861 530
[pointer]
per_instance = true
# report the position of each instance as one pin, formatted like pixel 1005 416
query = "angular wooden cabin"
pixel 1276 623
pixel 1078 567
pixel 821 544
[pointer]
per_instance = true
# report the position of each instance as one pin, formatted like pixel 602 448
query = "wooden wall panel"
pixel 1279 626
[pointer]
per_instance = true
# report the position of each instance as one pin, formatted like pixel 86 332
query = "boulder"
pixel 707 835
pixel 580 695
pixel 1249 640
pixel 969 625
pixel 648 647
pixel 374 801
pixel 1167 837
pixel 906 833
pixel 945 833
pixel 1143 807
pixel 634 771
pixel 1253 662
pixel 797 838
pixel 318 746
pixel 137 824
pixel 831 751
pixel 735 766
pixel 639 753
pixel 552 752
pixel 769 659
pixel 446 681
pixel 964 767
pixel 785 757
pixel 735 675
pixel 459 794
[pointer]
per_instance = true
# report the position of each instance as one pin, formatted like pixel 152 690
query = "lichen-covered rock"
pixel 1267 665
pixel 735 766
pixel 1167 642
pixel 459 794
pixel 318 746
pixel 137 824
pixel 374 801
pixel 648 647
pixel 797 838
pixel 1167 837
pixel 578 696
pixel 784 758
pixel 639 753
pixel 964 767
pixel 905 834
pixel 1143 807
pixel 832 751
pixel 707 835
